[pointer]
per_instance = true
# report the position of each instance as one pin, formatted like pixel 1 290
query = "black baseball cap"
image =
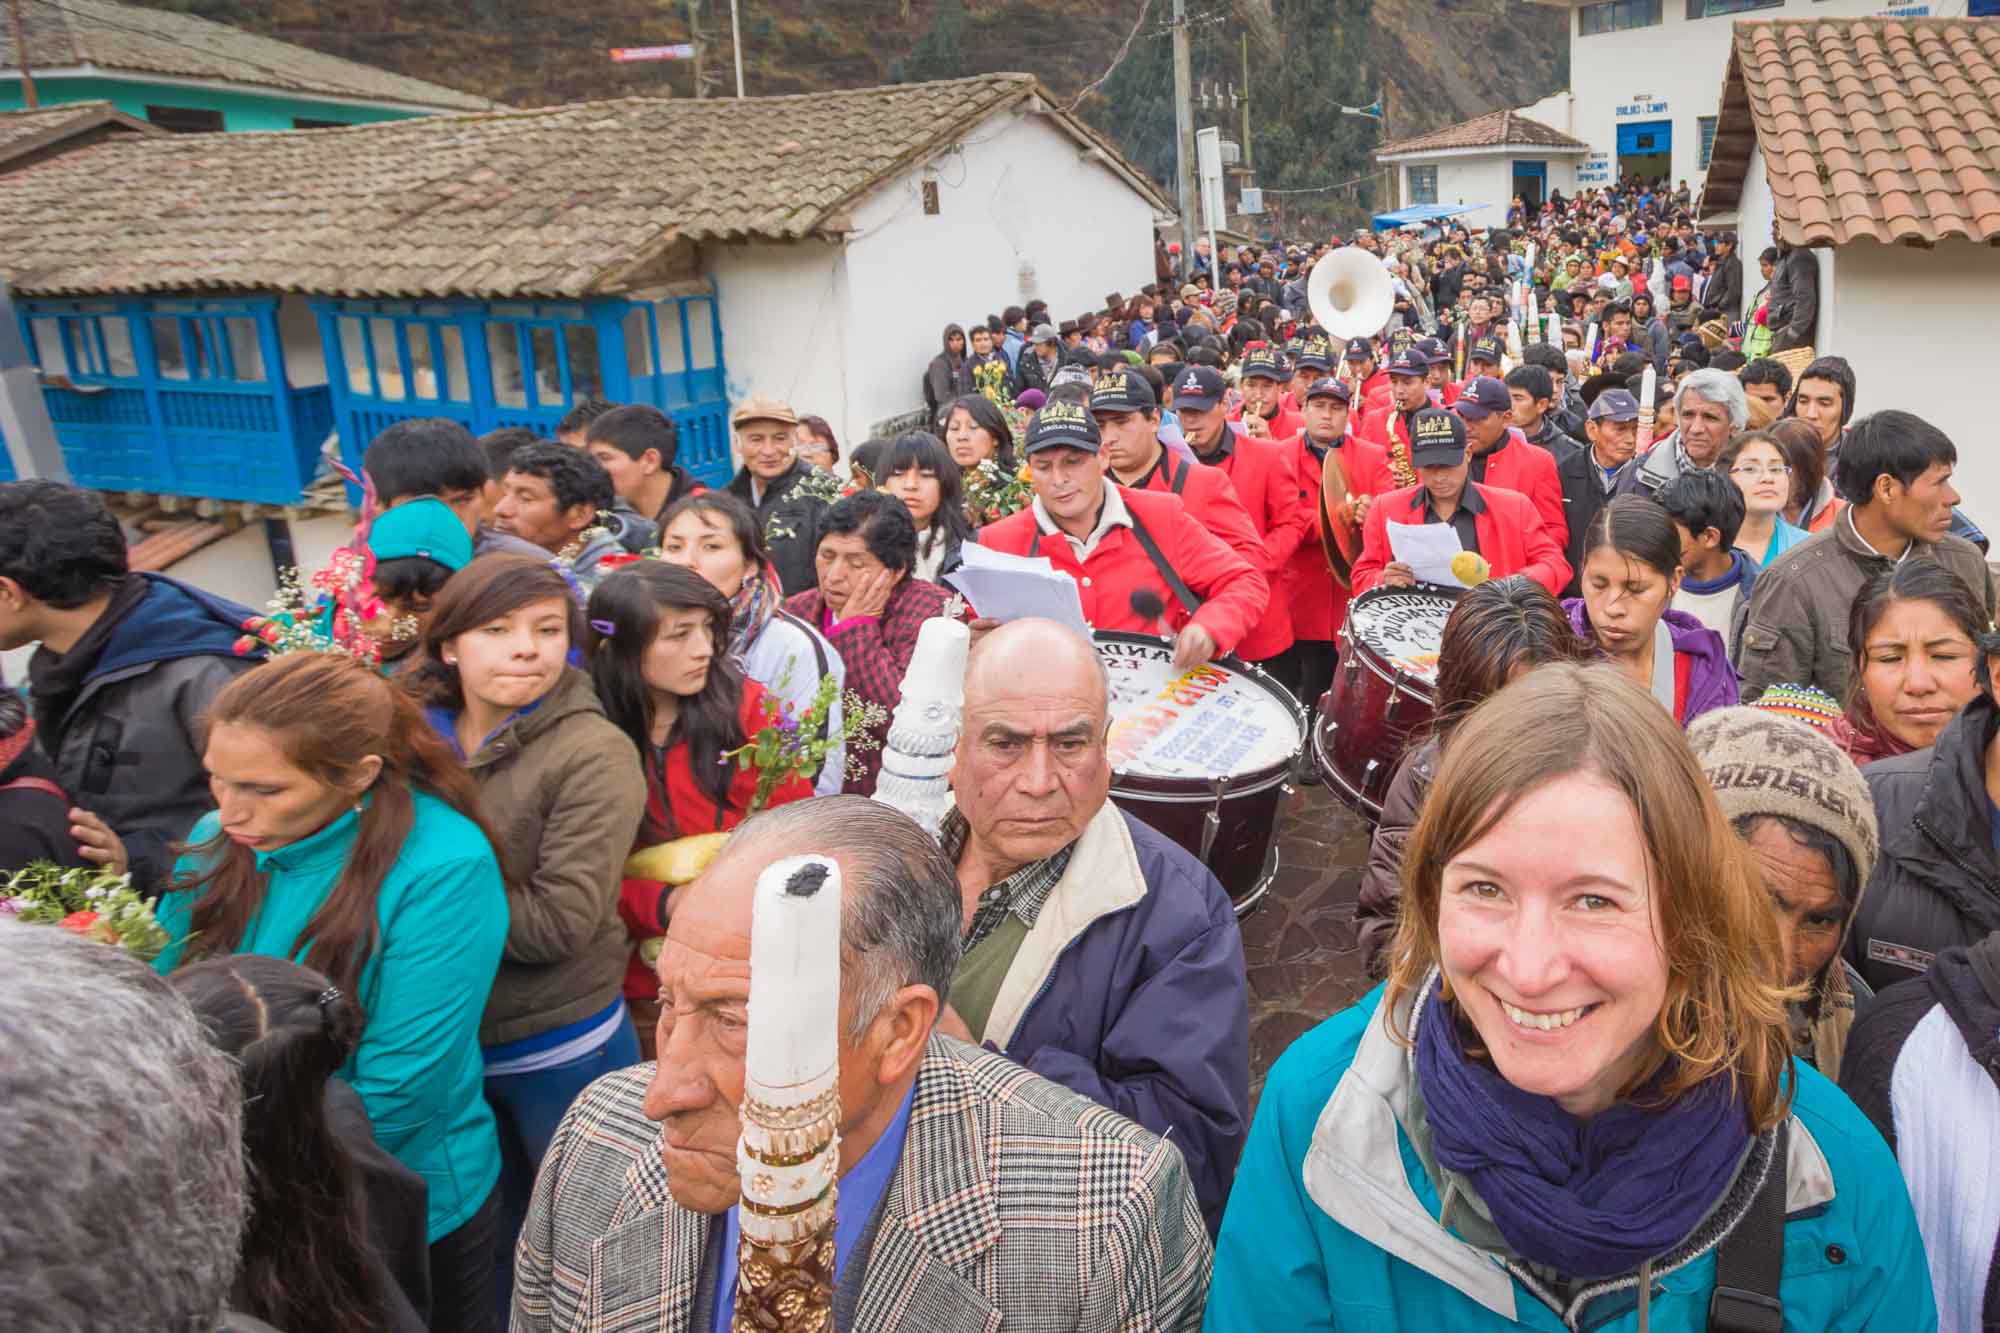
pixel 1433 350
pixel 1437 439
pixel 1481 398
pixel 1407 362
pixel 1062 425
pixel 1199 387
pixel 1315 353
pixel 1265 364
pixel 1487 347
pixel 1615 405
pixel 1328 387
pixel 1360 349
pixel 1123 391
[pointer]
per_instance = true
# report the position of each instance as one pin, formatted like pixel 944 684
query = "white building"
pixel 1644 76
pixel 1893 182
pixel 1485 162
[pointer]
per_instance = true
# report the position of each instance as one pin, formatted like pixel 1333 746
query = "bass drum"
pixel 1384 691
pixel 1203 756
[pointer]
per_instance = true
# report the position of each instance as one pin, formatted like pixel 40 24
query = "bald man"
pixel 1096 952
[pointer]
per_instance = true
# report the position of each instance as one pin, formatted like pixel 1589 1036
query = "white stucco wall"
pixel 1875 289
pixel 1677 66
pixel 1022 213
pixel 784 328
pixel 1485 178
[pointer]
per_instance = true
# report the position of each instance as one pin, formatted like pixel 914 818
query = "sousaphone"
pixel 1351 296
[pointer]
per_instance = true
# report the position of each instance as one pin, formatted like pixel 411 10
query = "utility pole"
pixel 1184 135
pixel 700 53
pixel 736 41
pixel 21 53
pixel 1248 162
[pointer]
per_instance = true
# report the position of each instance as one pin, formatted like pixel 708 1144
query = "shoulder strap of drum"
pixel 1751 1259
pixel 1177 472
pixel 1182 593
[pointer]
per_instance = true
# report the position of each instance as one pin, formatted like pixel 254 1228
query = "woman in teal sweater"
pixel 348 839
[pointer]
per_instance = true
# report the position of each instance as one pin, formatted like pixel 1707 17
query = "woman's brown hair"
pixel 1724 1011
pixel 1497 628
pixel 1799 442
pixel 490 587
pixel 328 713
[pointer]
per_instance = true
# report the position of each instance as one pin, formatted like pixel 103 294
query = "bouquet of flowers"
pixel 94 903
pixel 991 495
pixel 789 745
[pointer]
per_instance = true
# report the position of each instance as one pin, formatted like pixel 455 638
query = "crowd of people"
pixel 429 1046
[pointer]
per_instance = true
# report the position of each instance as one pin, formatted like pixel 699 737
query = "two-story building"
pixel 187 74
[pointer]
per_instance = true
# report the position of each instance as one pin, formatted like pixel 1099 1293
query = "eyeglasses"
pixel 1752 471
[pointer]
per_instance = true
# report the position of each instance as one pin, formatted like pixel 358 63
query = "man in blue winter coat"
pixel 127 664
pixel 1096 952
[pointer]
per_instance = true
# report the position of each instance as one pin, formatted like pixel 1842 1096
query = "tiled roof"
pixel 1495 129
pixel 560 202
pixel 129 39
pixel 1870 128
pixel 25 132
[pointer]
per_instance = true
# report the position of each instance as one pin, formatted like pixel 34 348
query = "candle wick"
pixel 806 880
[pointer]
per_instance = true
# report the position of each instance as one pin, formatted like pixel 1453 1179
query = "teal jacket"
pixel 1332 1223
pixel 443 916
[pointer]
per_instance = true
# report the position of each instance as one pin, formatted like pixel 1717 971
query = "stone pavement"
pixel 1300 945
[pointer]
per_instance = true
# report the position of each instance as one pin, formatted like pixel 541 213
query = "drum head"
pixel 1402 627
pixel 1215 721
pixel 1339 534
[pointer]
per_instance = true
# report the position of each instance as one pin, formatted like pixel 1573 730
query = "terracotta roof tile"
pixel 1870 128
pixel 1495 129
pixel 558 202
pixel 130 38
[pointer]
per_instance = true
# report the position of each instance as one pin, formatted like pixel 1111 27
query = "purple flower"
pixel 788 724
pixel 10 907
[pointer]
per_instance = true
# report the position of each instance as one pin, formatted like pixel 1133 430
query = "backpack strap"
pixel 1750 1262
pixel 820 663
pixel 1182 593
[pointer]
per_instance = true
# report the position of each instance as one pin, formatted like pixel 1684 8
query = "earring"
pixel 450 661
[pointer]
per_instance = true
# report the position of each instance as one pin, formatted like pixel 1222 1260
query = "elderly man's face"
pixel 704 973
pixel 1704 428
pixel 1032 769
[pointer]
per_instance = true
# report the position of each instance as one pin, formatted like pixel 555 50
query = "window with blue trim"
pixel 1423 185
pixel 206 340
pixel 401 351
pixel 1617 15
pixel 86 341
pixel 1708 9
pixel 1705 130
pixel 542 355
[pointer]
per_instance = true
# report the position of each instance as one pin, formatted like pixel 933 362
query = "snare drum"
pixel 1203 756
pixel 1384 691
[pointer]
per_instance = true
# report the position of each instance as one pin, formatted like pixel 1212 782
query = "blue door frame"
pixel 1537 172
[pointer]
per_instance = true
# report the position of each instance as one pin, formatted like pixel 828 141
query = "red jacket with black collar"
pixel 1519 466
pixel 1216 504
pixel 1233 592
pixel 1512 537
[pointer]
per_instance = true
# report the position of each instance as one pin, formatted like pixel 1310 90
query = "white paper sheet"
pixel 1007 587
pixel 1427 548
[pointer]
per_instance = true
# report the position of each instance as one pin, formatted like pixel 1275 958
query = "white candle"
pixel 1647 387
pixel 793 1049
pixel 1590 340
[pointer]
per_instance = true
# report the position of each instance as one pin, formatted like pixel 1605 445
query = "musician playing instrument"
pixel 1409 391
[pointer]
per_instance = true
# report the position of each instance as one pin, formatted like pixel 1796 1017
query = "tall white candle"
pixel 793 1046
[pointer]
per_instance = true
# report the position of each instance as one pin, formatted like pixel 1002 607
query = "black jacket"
pixel 1583 496
pixel 946 379
pixel 1557 441
pixel 1031 373
pixel 1965 985
pixel 1723 298
pixel 34 824
pixel 1938 882
pixel 790 524
pixel 1794 301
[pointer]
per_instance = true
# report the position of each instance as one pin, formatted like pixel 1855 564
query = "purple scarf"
pixel 1588 1198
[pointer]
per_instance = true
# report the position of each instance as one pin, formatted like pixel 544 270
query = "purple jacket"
pixel 1712 682
pixel 1130 990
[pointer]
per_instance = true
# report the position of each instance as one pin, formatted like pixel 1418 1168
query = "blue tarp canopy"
pixel 1422 213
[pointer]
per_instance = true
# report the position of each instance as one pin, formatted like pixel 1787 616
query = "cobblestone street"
pixel 1304 959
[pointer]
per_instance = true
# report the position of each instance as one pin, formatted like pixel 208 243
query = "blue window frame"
pixel 1708 9
pixel 1423 185
pixel 1616 16
pixel 88 341
pixel 208 340
pixel 1705 130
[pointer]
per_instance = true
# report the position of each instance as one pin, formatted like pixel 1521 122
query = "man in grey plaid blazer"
pixel 1010 1200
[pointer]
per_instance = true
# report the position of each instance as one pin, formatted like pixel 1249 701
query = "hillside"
pixel 1442 60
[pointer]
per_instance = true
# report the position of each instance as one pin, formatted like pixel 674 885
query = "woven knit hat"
pixel 1763 763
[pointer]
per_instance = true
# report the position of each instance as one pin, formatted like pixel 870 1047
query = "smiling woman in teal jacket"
pixel 347 838
pixel 1573 1103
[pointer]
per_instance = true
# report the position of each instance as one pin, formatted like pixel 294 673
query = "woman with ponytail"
pixel 346 837
pixel 334 1240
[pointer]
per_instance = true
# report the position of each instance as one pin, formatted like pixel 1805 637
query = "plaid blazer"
pixel 1015 1200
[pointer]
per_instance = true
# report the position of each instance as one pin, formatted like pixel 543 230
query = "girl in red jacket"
pixel 658 653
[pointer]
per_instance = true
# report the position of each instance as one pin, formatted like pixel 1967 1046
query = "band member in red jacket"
pixel 1319 601
pixel 1314 359
pixel 1128 422
pixel 1364 371
pixel 1409 393
pixel 1263 412
pixel 1098 534
pixel 1499 525
pixel 1502 456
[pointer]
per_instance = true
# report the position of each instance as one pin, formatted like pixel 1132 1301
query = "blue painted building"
pixel 187 74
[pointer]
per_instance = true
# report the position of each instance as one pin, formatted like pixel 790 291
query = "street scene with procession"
pixel 931 665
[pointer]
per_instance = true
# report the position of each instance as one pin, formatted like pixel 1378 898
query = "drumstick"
pixel 1147 605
